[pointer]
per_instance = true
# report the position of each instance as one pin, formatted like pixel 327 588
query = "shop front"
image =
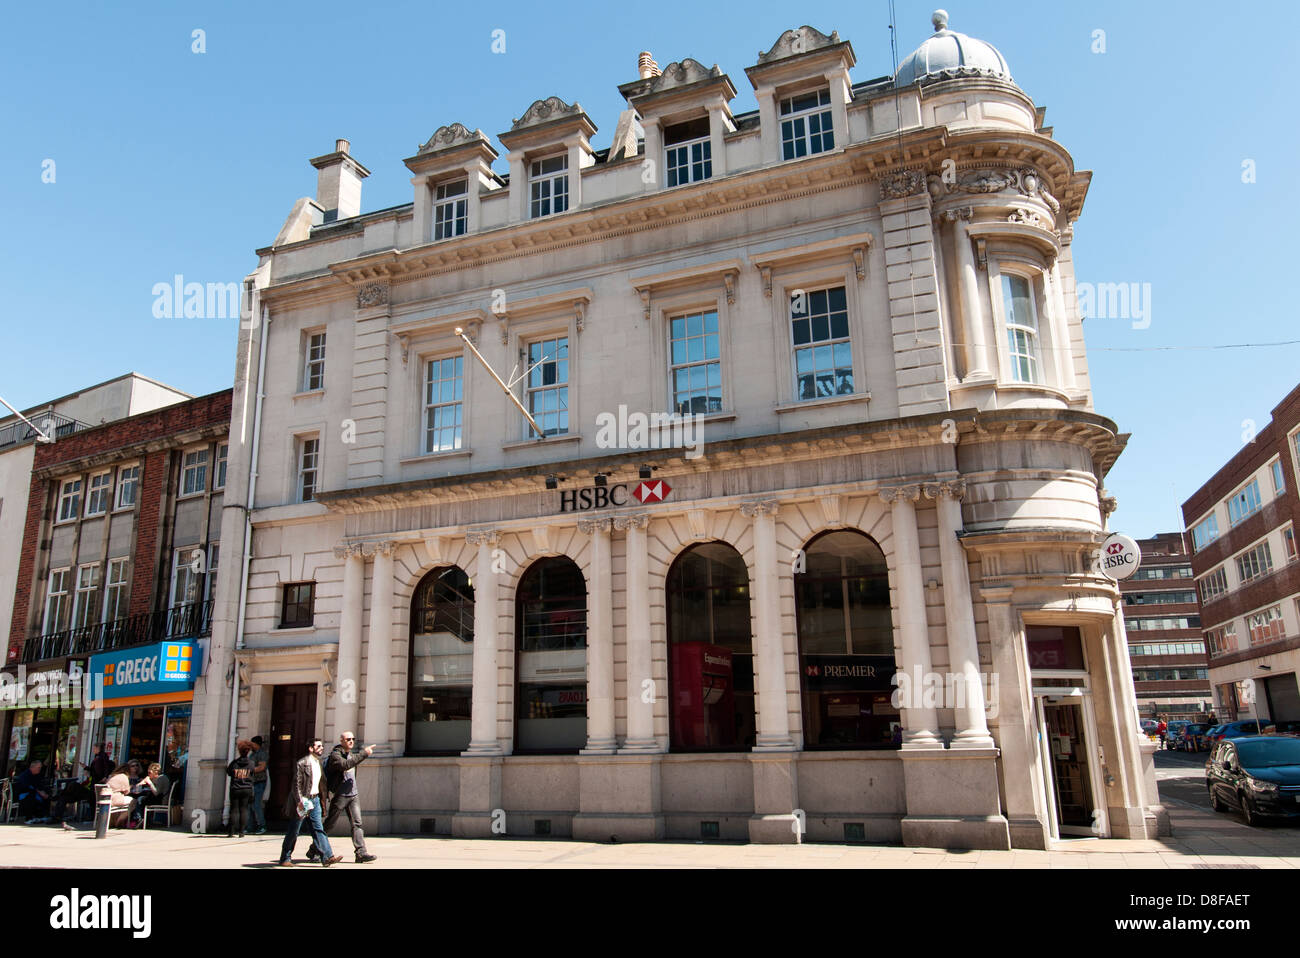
pixel 43 706
pixel 148 695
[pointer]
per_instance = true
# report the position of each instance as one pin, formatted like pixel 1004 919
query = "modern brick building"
pixel 119 559
pixel 1241 525
pixel 790 515
pixel 1163 622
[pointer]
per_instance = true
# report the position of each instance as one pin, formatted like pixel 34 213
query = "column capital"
pixel 908 492
pixel 589 527
pixel 483 537
pixel 379 547
pixel 348 550
pixel 949 488
pixel 759 507
pixel 640 520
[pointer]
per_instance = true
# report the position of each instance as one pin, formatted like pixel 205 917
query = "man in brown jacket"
pixel 304 802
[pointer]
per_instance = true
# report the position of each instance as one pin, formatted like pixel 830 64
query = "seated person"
pixel 72 794
pixel 32 792
pixel 119 784
pixel 151 790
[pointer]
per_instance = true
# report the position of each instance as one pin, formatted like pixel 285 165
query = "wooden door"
pixel 293 726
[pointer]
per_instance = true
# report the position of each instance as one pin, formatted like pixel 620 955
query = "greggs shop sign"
pixel 149 670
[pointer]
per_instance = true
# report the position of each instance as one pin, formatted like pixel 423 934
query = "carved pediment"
pixel 794 42
pixel 686 72
pixel 453 135
pixel 543 111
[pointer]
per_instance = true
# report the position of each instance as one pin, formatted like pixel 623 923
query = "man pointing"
pixel 341 781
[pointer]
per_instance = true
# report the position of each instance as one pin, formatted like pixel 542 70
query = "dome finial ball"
pixel 940 20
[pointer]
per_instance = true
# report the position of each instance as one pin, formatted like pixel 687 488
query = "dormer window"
pixel 688 152
pixel 450 209
pixel 549 185
pixel 806 126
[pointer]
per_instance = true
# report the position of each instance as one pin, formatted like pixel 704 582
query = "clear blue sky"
pixel 168 161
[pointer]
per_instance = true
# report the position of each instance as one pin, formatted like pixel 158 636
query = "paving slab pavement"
pixel 1201 839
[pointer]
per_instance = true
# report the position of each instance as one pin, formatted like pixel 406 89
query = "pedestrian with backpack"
pixel 240 771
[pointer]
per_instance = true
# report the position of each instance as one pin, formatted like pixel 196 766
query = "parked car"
pixel 1246 727
pixel 1192 737
pixel 1150 726
pixel 1213 736
pixel 1291 727
pixel 1259 774
pixel 1173 730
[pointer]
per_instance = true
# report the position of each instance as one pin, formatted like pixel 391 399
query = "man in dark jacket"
pixel 341 781
pixel 32 793
pixel 304 802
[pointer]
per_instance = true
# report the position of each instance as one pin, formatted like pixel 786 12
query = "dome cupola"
pixel 949 54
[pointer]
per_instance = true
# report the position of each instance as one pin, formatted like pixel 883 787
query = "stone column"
pixel 920 724
pixel 600 641
pixel 349 670
pixel 640 713
pixel 519 191
pixel 769 653
pixel 959 613
pixel 422 211
pixel 972 309
pixel 1017 725
pixel 483 704
pixel 379 661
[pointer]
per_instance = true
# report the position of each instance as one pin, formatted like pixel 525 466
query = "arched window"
pixel 711 653
pixel 442 664
pixel 551 658
pixel 846 644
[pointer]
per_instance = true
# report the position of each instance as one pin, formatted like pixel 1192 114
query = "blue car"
pixel 1259 774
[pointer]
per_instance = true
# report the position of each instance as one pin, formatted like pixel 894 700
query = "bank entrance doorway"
pixel 1067 736
pixel 293 726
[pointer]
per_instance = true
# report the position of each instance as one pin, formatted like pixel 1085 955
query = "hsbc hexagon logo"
pixel 1115 548
pixel 654 491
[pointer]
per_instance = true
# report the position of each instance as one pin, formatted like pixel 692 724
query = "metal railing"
pixel 145 628
pixel 52 423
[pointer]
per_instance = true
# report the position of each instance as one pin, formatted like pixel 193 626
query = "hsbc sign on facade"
pixel 1119 557
pixel 602 497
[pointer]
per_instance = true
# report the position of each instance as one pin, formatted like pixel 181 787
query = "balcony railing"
pixel 53 424
pixel 146 628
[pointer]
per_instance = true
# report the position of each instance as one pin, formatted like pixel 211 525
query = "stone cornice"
pixel 1094 432
pixel 131 451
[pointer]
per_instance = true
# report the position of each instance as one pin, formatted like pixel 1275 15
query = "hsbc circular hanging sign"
pixel 1119 557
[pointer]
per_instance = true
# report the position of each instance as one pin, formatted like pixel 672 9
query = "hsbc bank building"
pixel 839 575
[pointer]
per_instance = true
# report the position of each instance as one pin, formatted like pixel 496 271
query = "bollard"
pixel 104 811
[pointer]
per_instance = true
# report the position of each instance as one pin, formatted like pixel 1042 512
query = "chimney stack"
pixel 338 182
pixel 646 65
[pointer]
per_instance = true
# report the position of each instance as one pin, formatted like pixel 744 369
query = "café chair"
pixel 8 807
pixel 161 809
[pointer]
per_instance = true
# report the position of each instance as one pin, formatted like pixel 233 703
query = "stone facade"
pixel 975 472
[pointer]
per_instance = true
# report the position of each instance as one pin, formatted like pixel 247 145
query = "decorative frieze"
pixel 483 537
pixel 896 186
pixel 372 294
